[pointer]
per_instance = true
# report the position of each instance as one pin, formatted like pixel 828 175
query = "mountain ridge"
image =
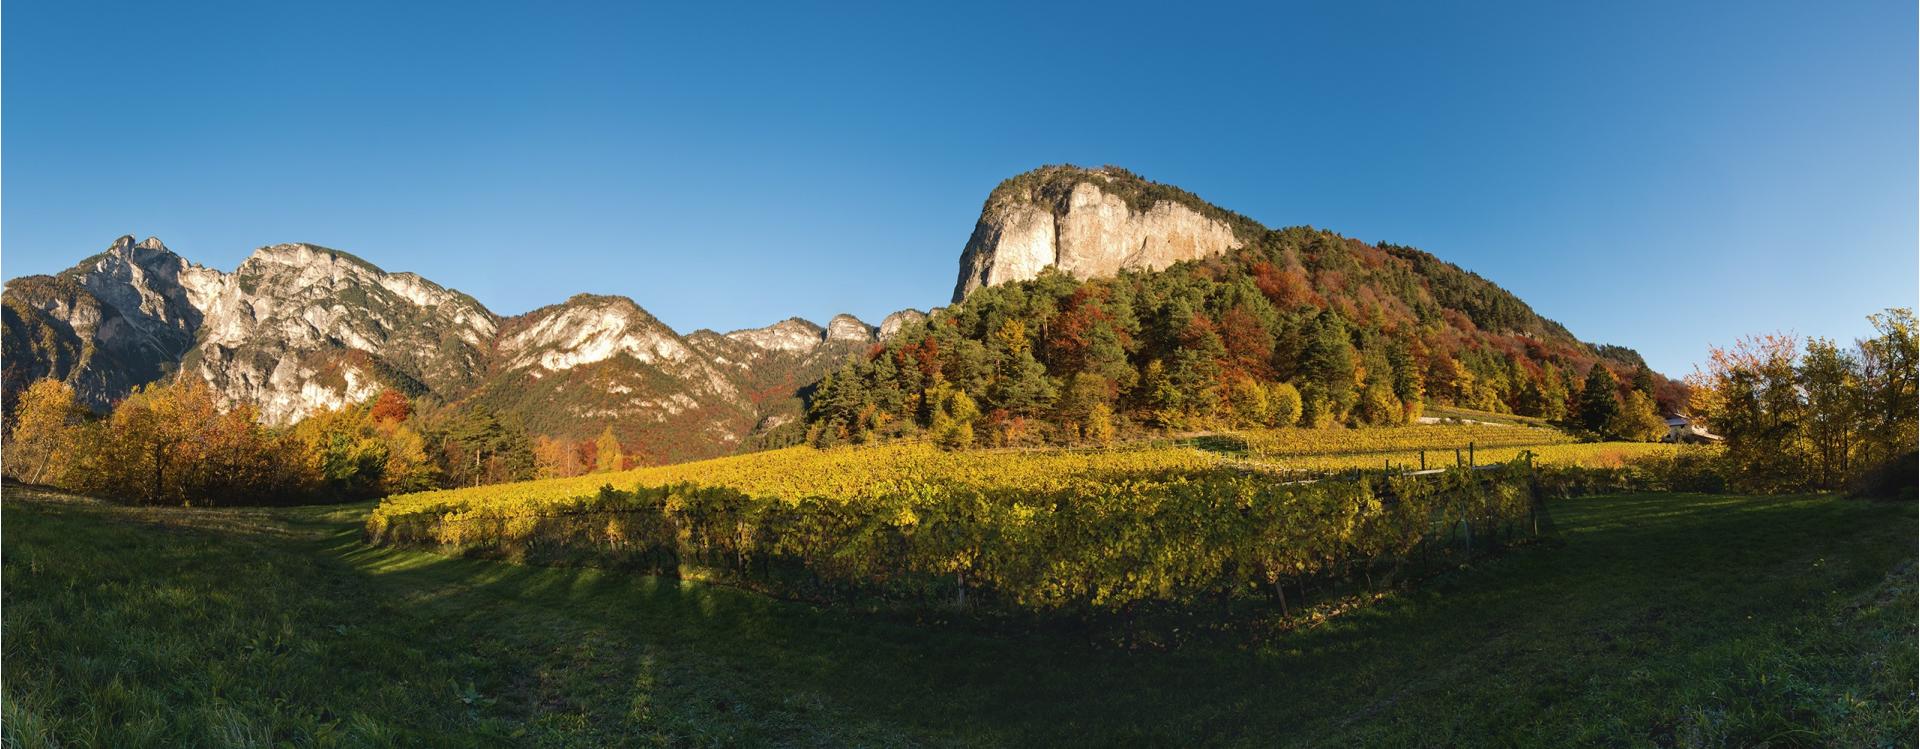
pixel 297 326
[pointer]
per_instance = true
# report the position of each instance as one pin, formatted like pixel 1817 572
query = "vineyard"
pixel 1035 531
pixel 1418 447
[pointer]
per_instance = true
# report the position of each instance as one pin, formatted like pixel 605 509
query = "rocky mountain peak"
pixel 1090 223
pixel 590 328
pixel 893 323
pixel 844 327
pixel 792 335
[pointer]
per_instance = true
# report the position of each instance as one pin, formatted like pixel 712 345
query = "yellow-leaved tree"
pixel 45 424
pixel 607 455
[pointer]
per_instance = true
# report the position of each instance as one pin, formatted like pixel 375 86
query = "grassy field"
pixel 1663 620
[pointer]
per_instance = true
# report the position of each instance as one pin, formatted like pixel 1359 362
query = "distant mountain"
pixel 1097 222
pixel 299 327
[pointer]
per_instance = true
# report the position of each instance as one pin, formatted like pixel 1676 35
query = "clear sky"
pixel 1651 175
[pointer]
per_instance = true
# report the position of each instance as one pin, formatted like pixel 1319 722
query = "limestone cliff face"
pixel 117 320
pixel 893 323
pixel 1088 223
pixel 298 328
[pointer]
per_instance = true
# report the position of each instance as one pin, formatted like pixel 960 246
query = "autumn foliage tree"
pixel 40 445
pixel 173 444
pixel 1817 415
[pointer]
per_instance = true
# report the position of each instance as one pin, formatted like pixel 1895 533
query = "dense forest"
pixel 1301 326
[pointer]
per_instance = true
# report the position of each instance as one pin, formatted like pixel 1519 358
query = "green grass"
pixel 1663 620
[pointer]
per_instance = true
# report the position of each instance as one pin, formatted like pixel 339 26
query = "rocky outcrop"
pixel 848 328
pixel 117 320
pixel 792 335
pixel 892 324
pixel 299 327
pixel 1088 223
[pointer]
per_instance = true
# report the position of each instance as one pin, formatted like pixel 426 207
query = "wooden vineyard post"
pixel 1470 462
pixel 1533 489
pixel 1423 460
pixel 1456 457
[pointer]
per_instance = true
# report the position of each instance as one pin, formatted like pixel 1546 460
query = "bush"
pixel 1894 478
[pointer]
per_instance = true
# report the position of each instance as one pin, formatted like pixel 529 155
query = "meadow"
pixel 1658 620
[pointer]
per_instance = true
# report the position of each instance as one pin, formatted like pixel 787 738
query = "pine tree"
pixel 1599 402
pixel 1327 368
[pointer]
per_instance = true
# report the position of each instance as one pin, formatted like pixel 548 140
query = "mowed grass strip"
pixel 1663 620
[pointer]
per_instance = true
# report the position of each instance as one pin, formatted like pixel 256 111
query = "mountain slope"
pixel 300 327
pixel 1095 223
pixel 1091 300
pixel 116 320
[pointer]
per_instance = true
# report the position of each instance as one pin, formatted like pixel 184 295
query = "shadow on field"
pixel 1736 619
pixel 1640 577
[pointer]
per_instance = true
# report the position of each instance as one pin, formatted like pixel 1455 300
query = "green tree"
pixel 1599 400
pixel 1890 374
pixel 1284 400
pixel 953 417
pixel 1249 401
pixel 1327 368
pixel 1750 394
pixel 1830 378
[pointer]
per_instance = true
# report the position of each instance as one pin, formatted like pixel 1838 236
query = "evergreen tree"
pixel 1599 401
pixel 1643 380
pixel 1327 368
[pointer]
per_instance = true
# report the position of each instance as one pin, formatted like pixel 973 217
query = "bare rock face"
pixel 589 329
pixel 117 320
pixel 893 323
pixel 299 328
pixel 792 335
pixel 849 328
pixel 1089 223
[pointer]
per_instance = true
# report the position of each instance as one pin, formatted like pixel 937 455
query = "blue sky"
pixel 1654 176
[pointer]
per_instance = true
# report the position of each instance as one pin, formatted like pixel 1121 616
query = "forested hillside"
pixel 1297 326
